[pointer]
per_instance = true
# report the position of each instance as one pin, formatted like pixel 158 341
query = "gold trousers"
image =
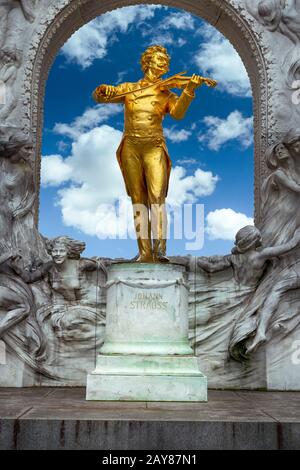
pixel 145 170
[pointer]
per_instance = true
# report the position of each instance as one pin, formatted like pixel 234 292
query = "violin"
pixel 180 81
pixel 176 81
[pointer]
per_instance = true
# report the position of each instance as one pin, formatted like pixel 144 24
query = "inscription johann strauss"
pixel 148 301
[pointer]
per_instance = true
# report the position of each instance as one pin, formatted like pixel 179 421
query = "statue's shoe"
pixel 144 259
pixel 159 252
pixel 160 258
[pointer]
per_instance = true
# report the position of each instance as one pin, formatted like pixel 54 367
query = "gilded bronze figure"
pixel 143 156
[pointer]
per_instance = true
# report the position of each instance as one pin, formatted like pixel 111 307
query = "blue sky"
pixel 211 149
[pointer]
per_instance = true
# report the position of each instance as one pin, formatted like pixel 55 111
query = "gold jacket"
pixel 145 111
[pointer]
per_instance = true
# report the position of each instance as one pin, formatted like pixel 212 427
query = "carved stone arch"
pixel 62 18
pixel 267 37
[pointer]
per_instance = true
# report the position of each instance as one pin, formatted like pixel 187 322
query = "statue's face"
pixel 159 64
pixel 59 254
pixel 23 153
pixel 26 151
pixel 282 152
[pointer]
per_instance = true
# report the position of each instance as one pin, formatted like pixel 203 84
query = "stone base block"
pixel 146 388
pixel 146 365
pixel 147 378
pixel 146 354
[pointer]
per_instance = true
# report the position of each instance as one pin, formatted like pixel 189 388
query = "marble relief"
pixel 243 307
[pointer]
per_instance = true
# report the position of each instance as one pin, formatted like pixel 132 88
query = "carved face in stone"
pixel 59 253
pixel 25 152
pixel 270 12
pixel 17 151
pixel 282 152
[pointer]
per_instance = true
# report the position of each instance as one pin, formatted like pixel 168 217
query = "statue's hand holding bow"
pixel 108 91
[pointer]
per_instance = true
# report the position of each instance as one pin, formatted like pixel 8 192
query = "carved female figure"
pixel 283 16
pixel 67 276
pixel 13 18
pixel 17 184
pixel 249 264
pixel 12 14
pixel 288 280
pixel 76 309
pixel 281 191
pixel 10 63
pixel 247 259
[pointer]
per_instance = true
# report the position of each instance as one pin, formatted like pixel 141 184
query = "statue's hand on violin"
pixel 196 81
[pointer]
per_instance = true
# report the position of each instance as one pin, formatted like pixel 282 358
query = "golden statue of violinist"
pixel 143 156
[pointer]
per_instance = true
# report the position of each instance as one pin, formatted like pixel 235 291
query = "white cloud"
pixel 95 183
pixel 187 189
pixel 90 118
pixel 61 145
pixel 188 161
pixel 179 20
pixel 164 38
pixel 176 136
pixel 234 127
pixel 54 170
pixel 218 58
pixel 223 224
pixel 166 32
pixel 92 40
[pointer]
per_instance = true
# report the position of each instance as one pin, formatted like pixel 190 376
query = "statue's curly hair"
pixel 146 56
pixel 74 247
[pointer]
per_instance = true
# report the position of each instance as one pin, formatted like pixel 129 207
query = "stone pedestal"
pixel 146 355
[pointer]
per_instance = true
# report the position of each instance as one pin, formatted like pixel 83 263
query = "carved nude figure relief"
pixel 14 15
pixel 68 275
pixel 57 299
pixel 249 264
pixel 283 17
pixel 50 297
pixel 19 195
pixel 281 191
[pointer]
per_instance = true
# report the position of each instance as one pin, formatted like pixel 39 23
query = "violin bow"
pixel 159 83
